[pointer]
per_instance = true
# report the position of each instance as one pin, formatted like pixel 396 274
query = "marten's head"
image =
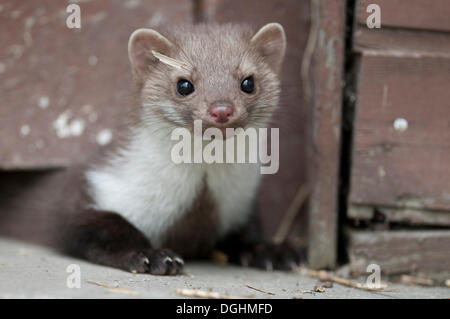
pixel 225 75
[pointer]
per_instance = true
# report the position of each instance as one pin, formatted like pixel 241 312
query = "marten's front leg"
pixel 248 247
pixel 109 239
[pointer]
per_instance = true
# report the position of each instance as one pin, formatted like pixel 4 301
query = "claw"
pixel 179 261
pixel 168 260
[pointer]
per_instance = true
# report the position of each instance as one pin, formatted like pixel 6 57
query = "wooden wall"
pixel 62 89
pixel 400 174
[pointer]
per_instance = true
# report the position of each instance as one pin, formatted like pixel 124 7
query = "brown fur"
pixel 221 56
pixel 194 235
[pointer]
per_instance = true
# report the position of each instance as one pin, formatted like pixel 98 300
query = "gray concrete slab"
pixel 28 271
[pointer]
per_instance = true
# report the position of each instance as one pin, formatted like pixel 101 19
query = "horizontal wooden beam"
pixel 399 252
pixel 407 216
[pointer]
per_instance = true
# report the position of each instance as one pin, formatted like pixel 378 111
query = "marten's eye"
pixel 248 85
pixel 184 87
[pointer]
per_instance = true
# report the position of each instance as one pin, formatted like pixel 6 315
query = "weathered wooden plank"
pixel 400 41
pixel 406 216
pixel 400 251
pixel 414 14
pixel 79 76
pixel 325 125
pixel 402 132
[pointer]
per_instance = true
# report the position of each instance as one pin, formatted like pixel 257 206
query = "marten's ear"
pixel 140 46
pixel 270 42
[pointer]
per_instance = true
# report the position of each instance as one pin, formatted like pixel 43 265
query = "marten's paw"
pixel 270 256
pixel 156 262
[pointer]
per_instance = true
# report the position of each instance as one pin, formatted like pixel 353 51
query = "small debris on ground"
pixel 306 291
pixel 208 294
pixel 324 275
pixel 259 289
pixel 318 288
pixel 112 288
pixel 412 280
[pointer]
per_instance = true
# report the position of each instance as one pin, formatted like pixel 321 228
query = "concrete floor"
pixel 33 272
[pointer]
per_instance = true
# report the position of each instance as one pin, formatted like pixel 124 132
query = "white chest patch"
pixel 143 185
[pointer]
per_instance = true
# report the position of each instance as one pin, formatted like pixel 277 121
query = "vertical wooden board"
pixel 55 80
pixel 412 14
pixel 278 190
pixel 324 157
pixel 406 167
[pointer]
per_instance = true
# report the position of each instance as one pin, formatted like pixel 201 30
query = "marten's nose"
pixel 221 113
